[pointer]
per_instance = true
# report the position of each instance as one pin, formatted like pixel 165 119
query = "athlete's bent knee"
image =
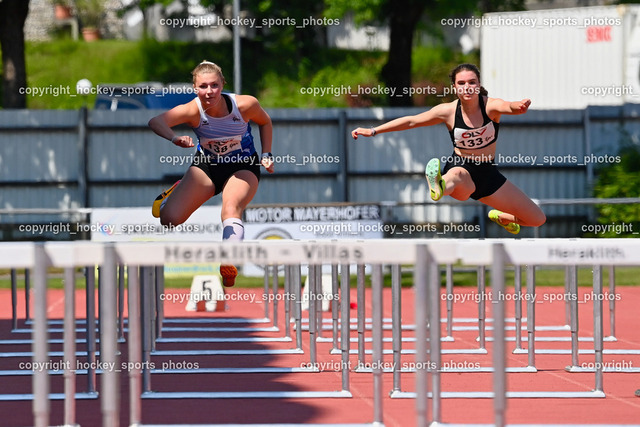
pixel 536 220
pixel 170 219
pixel 458 174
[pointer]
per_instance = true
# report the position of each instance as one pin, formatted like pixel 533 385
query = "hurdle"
pixel 141 334
pixel 142 261
pixel 500 253
pixel 394 323
pixel 270 273
pixel 313 272
pixel 571 324
pixel 483 395
pixel 38 257
pixel 312 357
pixel 270 289
pixel 512 254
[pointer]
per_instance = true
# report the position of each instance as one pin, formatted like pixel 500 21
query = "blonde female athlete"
pixel 225 160
pixel 473 121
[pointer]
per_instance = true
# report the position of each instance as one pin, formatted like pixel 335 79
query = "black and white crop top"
pixel 467 138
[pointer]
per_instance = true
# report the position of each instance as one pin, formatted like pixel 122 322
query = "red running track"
pixel 620 406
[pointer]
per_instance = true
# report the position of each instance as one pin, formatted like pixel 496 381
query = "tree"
pixel 403 17
pixel 620 178
pixel 281 23
pixel 289 29
pixel 396 73
pixel 288 24
pixel 13 14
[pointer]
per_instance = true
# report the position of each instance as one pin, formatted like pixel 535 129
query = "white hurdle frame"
pixel 426 255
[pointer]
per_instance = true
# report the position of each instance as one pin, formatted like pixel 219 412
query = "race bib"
pixel 473 139
pixel 222 146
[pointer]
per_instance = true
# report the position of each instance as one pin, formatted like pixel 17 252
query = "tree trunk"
pixel 13 14
pixel 396 73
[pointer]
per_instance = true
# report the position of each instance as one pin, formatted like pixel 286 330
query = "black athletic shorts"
pixel 220 172
pixel 485 175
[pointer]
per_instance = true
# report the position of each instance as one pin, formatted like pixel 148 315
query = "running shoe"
pixel 228 273
pixel 159 202
pixel 434 179
pixel 512 227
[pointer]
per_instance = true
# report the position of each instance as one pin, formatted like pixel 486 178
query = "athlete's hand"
pixel 183 141
pixel 520 107
pixel 362 131
pixel 268 164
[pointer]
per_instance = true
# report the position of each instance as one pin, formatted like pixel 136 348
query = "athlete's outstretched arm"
pixel 500 106
pixel 181 114
pixel 437 114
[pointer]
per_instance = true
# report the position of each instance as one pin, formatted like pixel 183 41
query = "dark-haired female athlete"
pixel 473 121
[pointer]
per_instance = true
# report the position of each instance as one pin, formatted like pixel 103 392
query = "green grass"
pixel 273 74
pixel 625 276
pixel 550 276
pixel 62 63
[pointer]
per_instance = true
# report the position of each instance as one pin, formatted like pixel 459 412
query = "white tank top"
pixel 224 136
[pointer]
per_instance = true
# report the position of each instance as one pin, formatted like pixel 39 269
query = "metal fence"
pixel 96 158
